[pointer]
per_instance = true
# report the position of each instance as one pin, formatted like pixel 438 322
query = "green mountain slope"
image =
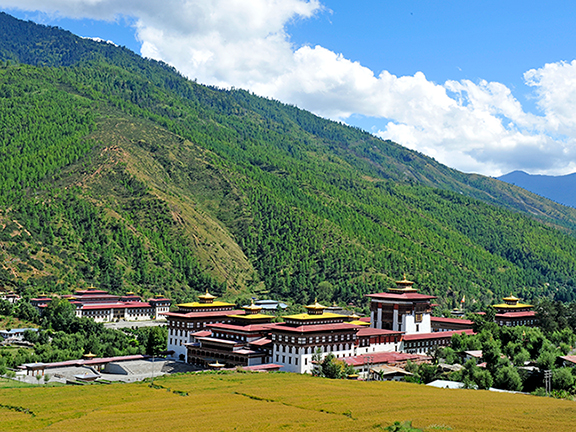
pixel 118 172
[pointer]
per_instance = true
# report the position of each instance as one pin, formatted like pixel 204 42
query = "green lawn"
pixel 10 383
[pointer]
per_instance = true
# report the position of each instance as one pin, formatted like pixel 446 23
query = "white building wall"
pixel 301 361
pixel 411 326
pixel 177 337
pixel 379 347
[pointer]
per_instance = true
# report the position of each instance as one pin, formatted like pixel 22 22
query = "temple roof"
pixel 205 305
pixel 308 317
pixel 315 307
pixel 314 327
pixel 525 314
pixel 252 307
pixel 206 296
pixel 252 317
pixel 512 306
pixel 206 314
pixel 401 296
pixel 512 302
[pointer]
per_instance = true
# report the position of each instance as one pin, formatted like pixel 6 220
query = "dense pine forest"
pixel 116 171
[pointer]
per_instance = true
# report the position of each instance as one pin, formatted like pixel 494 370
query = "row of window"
pixel 317 339
pixel 517 323
pixel 427 343
pixel 311 350
pixel 176 332
pixel 197 324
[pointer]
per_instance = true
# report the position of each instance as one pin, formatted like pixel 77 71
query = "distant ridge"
pixel 561 189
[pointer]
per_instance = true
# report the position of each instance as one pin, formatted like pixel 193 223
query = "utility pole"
pixel 368 363
pixel 548 381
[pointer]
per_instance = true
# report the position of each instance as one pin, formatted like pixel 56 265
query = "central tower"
pixel 401 309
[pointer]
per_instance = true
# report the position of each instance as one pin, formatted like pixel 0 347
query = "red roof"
pixel 401 296
pixel 369 331
pixel 527 314
pixel 569 358
pixel 436 335
pixel 219 341
pixel 202 333
pixel 451 320
pixel 383 357
pixel 364 319
pixel 260 342
pixel 314 328
pixel 204 314
pixel 93 297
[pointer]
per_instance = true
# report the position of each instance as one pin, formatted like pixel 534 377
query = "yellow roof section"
pixel 404 285
pixel 207 296
pixel 252 307
pixel 404 281
pixel 356 322
pixel 308 317
pixel 515 306
pixel 251 316
pixel 511 298
pixel 315 306
pixel 205 305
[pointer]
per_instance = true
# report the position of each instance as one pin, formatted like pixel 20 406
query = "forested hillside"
pixel 118 172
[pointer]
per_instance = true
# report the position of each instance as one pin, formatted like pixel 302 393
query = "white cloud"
pixel 244 43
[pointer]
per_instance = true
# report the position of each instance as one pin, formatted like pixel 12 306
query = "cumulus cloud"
pixel 472 126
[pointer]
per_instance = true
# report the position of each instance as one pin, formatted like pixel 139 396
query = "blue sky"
pixel 485 87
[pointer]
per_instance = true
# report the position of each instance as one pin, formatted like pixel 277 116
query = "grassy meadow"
pixel 270 402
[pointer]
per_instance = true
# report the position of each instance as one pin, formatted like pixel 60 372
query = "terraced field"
pixel 270 402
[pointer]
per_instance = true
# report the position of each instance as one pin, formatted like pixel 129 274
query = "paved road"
pixel 130 324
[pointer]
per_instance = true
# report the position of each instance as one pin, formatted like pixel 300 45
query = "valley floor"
pixel 271 402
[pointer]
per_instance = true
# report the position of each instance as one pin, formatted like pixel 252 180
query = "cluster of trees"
pixel 331 367
pixel 506 351
pixel 63 336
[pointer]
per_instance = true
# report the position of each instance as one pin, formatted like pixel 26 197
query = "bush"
pixel 562 379
pixel 402 427
pixel 508 378
pixel 546 360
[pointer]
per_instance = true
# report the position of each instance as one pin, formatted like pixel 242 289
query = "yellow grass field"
pixel 275 402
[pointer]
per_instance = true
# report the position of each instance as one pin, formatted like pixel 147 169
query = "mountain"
pixel 561 189
pixel 117 171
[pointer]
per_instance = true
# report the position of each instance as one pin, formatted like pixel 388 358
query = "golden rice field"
pixel 275 402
